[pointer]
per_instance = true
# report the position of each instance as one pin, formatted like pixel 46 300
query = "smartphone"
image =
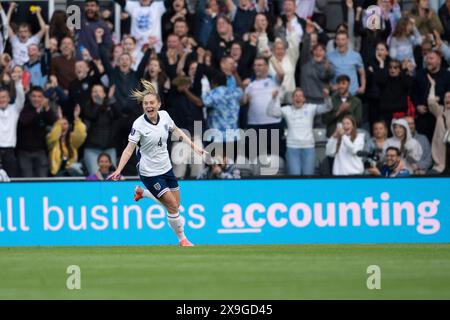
pixel 339 125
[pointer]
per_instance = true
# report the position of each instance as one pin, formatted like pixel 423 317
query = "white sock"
pixel 176 222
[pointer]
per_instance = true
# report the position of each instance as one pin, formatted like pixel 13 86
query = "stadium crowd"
pixel 377 87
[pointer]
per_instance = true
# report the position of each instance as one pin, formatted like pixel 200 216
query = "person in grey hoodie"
pixel 316 72
pixel 410 149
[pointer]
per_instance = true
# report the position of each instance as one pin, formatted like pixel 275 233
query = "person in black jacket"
pixel 444 16
pixel 370 37
pixel 100 115
pixel 123 77
pixel 177 10
pixel 221 39
pixel 34 120
pixel 380 59
pixel 80 89
pixel 425 121
pixel 395 85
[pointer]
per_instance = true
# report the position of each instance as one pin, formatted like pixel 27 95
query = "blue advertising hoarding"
pixel 279 211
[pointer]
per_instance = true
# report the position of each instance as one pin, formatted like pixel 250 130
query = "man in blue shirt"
pixel 348 62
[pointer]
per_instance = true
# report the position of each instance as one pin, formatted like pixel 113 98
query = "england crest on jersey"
pixel 157 186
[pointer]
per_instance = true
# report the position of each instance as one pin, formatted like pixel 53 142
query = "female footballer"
pixel 150 132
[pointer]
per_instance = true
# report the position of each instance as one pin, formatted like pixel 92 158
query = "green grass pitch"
pixel 410 271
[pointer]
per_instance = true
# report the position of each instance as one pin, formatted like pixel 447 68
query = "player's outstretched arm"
pixel 126 154
pixel 183 137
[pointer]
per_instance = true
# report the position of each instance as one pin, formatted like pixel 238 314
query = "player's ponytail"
pixel 146 89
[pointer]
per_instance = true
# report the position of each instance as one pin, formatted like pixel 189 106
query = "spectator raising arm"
pixel 20 93
pixel 4 29
pixel 42 25
pixel 274 108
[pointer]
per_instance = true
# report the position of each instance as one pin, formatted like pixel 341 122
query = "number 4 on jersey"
pixel 160 142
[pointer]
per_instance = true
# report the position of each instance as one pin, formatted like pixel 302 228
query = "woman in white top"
pixel 405 37
pixel 264 32
pixel 129 45
pixel 300 152
pixel 287 60
pixel 343 145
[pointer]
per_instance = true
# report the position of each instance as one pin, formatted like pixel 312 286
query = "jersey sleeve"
pixel 135 135
pixel 168 120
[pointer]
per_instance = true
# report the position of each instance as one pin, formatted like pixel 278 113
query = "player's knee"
pixel 172 207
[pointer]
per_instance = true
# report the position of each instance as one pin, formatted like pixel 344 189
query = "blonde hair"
pixel 146 89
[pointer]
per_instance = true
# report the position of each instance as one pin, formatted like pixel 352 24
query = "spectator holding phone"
pixel 343 146
pixel 23 39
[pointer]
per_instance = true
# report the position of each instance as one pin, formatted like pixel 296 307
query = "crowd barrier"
pixel 261 211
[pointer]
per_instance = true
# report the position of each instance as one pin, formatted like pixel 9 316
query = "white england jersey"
pixel 151 139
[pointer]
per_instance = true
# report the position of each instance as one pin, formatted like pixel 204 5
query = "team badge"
pixel 157 186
